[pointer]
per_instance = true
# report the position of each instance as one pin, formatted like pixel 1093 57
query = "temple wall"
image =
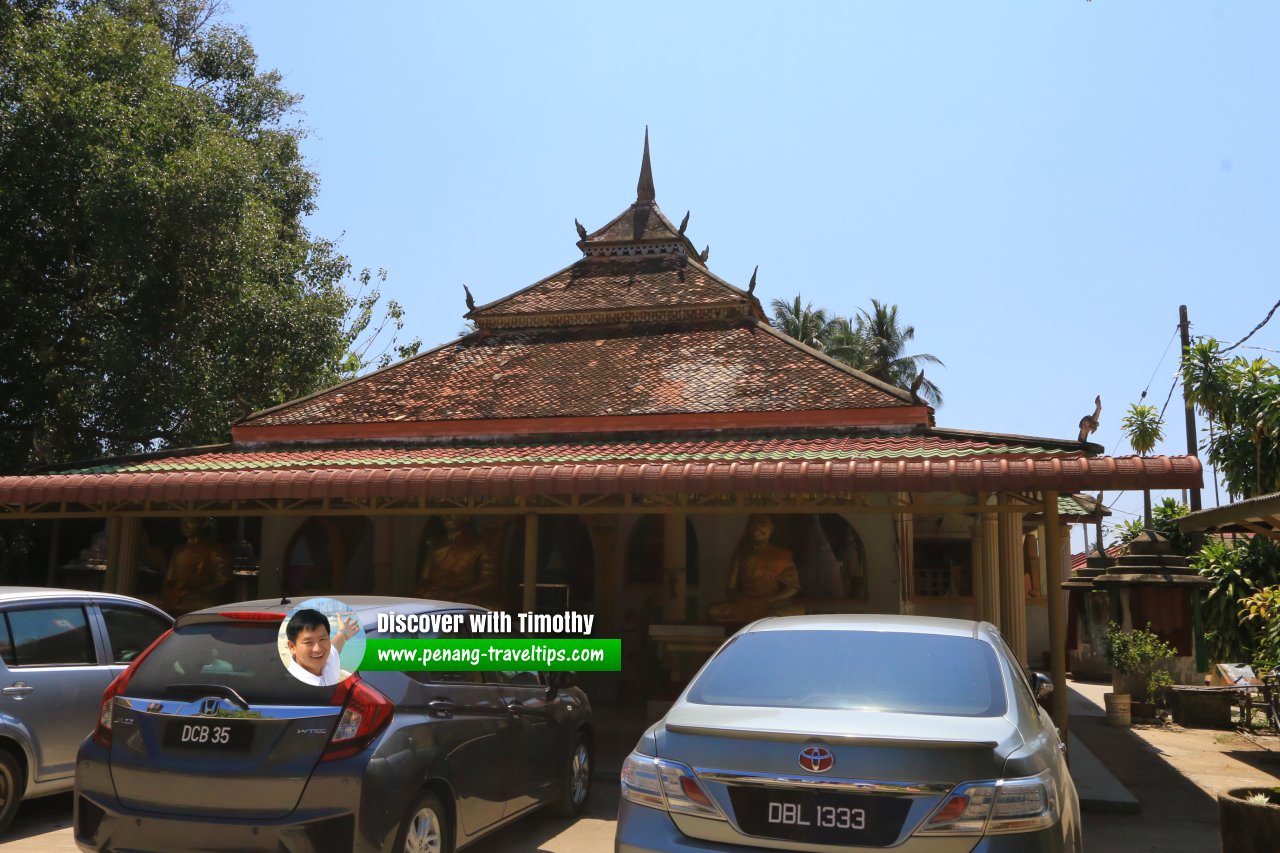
pixel 277 531
pixel 1037 633
pixel 948 608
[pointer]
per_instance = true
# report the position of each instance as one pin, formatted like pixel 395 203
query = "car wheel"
pixel 577 786
pixel 11 786
pixel 426 830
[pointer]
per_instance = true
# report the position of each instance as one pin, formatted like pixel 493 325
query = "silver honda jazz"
pixel 831 733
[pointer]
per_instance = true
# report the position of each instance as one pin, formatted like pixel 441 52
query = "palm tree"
pixel 806 324
pixel 886 340
pixel 1144 429
pixel 843 343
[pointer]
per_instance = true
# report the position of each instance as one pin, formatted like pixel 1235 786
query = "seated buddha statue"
pixel 459 567
pixel 763 578
pixel 199 573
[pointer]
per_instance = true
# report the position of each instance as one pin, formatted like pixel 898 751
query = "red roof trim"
pixel 967 475
pixel 895 416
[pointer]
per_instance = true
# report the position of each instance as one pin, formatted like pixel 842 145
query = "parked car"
pixel 208 741
pixel 855 731
pixel 59 648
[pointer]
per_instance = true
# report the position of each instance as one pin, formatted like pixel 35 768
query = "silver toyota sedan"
pixel 832 733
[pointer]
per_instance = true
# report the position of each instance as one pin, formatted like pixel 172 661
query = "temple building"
pixel 628 436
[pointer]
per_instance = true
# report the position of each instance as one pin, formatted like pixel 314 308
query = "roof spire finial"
pixel 644 187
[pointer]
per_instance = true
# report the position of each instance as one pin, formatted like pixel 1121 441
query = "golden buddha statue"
pixel 199 572
pixel 763 578
pixel 459 567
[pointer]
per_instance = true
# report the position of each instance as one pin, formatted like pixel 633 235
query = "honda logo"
pixel 816 759
pixel 209 707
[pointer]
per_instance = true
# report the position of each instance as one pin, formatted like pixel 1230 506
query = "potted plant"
pixel 1135 655
pixel 1249 820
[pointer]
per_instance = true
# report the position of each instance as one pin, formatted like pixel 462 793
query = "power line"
pixel 1163 355
pixel 1176 328
pixel 1170 397
pixel 1255 328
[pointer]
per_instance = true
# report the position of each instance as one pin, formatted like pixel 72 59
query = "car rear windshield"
pixel 875 670
pixel 241 655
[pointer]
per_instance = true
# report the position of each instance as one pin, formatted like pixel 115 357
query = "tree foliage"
pixel 157 279
pixel 1239 569
pixel 886 339
pixel 1165 517
pixel 1241 399
pixel 1143 428
pixel 873 341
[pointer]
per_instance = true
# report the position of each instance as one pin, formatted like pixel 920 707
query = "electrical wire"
pixel 1170 397
pixel 1264 322
pixel 1163 356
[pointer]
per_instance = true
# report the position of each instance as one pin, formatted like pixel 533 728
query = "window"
pixel 6 644
pixel 944 567
pixel 130 630
pixel 244 656
pixel 50 636
pixel 894 671
pixel 519 678
pixel 463 677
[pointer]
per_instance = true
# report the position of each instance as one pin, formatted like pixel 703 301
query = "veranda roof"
pixel 925 461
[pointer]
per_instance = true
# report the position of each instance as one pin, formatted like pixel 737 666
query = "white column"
pixel 530 562
pixel 674 572
pixel 986 571
pixel 1013 595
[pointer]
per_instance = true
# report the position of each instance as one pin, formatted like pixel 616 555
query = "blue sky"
pixel 1038 186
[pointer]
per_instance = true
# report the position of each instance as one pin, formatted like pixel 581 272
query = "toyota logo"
pixel 816 759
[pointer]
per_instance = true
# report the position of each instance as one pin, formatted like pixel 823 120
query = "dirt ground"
pixel 1176 774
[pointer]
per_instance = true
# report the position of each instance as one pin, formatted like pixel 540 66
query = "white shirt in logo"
pixel 331 674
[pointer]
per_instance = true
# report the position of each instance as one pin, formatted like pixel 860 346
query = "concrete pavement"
pixel 1172 774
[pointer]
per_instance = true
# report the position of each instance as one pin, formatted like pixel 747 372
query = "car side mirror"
pixel 557 681
pixel 1041 685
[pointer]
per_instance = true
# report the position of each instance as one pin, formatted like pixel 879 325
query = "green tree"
pixel 1144 430
pixel 886 340
pixel 802 321
pixel 1164 520
pixel 1238 569
pixel 873 342
pixel 1241 399
pixel 843 342
pixel 158 282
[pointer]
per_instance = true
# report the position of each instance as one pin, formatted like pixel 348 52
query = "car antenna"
pixel 284 599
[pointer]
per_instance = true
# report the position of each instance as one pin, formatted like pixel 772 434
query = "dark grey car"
pixel 59 649
pixel 209 743
pixel 825 733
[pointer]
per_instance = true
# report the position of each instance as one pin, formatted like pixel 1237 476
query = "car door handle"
pixel 18 689
pixel 515 707
pixel 441 708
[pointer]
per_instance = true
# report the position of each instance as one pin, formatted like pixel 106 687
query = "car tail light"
pixel 102 732
pixel 668 785
pixel 252 616
pixel 996 807
pixel 365 713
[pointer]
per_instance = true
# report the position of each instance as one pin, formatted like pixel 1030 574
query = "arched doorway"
pixel 328 556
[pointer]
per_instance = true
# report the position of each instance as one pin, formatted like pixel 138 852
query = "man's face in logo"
pixel 311 649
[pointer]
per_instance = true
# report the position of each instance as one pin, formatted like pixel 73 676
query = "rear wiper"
pixel 196 691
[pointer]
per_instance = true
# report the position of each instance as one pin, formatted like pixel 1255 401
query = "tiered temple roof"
pixel 633 370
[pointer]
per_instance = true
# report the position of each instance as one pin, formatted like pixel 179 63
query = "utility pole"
pixel 1189 409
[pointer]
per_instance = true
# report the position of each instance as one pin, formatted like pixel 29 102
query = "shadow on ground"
pixel 40 816
pixel 1266 762
pixel 1177 816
